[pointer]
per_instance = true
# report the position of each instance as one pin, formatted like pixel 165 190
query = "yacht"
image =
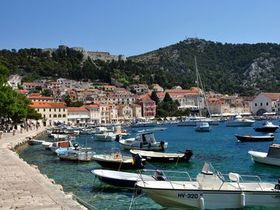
pixel 238 121
pixel 213 190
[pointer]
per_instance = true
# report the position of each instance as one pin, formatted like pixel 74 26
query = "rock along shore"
pixel 23 186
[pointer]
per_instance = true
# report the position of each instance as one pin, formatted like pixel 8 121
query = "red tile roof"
pixel 272 96
pixel 48 105
pixel 77 109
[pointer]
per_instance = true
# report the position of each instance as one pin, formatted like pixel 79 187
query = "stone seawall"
pixel 22 186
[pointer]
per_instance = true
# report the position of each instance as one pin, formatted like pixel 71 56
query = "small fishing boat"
pixel 163 157
pixel 270 158
pixel 238 121
pixel 76 155
pixel 118 161
pixel 119 178
pixel 143 141
pixel 249 138
pixel 58 144
pixel 268 127
pixel 105 136
pixel 202 127
pixel 213 190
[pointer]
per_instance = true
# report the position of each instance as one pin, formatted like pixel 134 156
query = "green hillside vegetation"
pixel 226 68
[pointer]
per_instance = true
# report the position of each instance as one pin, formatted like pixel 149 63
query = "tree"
pixel 154 97
pixel 47 92
pixel 167 98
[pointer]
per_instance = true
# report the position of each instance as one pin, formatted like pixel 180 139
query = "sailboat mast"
pixel 199 83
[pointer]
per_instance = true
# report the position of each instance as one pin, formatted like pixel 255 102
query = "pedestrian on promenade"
pixel 1 134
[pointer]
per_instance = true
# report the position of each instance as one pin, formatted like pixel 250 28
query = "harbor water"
pixel 218 147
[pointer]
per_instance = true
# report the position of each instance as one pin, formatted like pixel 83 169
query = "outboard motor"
pixel 162 145
pixel 188 153
pixel 76 145
pixel 117 138
pixel 137 161
pixel 277 186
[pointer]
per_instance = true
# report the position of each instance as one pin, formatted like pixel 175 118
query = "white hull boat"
pixel 202 127
pixel 143 141
pixel 270 158
pixel 76 155
pixel 238 121
pixel 106 136
pixel 119 178
pixel 213 191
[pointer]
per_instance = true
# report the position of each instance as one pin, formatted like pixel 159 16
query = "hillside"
pixel 227 68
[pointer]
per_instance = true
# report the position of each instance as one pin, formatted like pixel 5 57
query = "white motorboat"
pixel 76 155
pixel 119 178
pixel 105 136
pixel 143 141
pixel 238 121
pixel 270 158
pixel 268 127
pixel 119 162
pixel 213 190
pixel 58 144
pixel 164 157
pixel 202 127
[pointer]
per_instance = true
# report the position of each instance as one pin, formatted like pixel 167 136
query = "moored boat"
pixel 119 178
pixel 152 156
pixel 268 127
pixel 118 161
pixel 202 127
pixel 213 190
pixel 143 141
pixel 272 157
pixel 249 138
pixel 76 155
pixel 238 121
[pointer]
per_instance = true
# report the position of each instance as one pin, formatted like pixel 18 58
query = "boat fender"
pixel 243 199
pixel 201 203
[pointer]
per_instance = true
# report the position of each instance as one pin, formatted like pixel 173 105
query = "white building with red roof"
pixel 266 102
pixel 52 112
pixel 78 115
pixel 38 97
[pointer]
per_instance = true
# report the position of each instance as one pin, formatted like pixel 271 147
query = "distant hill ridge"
pixel 241 68
pixel 227 68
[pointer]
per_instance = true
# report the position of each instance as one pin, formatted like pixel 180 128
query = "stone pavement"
pixel 23 186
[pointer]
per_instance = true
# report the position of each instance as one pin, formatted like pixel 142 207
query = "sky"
pixel 132 27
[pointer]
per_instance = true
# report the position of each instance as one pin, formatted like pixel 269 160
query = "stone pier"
pixel 23 186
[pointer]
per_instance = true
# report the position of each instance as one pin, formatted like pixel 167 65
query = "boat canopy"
pixel 274 151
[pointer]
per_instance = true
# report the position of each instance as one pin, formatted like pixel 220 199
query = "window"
pixel 256 104
pixel 55 110
pixel 59 115
pixel 59 110
pixel 64 115
pixel 50 109
pixel 266 103
pixel 261 104
pixel 54 115
pixel 50 116
pixel 44 110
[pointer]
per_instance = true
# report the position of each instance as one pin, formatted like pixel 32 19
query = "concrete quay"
pixel 23 186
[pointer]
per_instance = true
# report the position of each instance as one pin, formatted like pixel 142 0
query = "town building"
pixel 14 81
pixel 148 106
pixel 78 115
pixel 266 102
pixel 139 88
pixel 38 97
pixel 52 112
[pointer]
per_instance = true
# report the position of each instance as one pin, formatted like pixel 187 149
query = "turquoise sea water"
pixel 219 147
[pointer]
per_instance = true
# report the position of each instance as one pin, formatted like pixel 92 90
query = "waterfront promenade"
pixel 23 186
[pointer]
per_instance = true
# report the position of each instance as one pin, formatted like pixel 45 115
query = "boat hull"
pixel 212 199
pixel 119 165
pixel 261 157
pixel 266 129
pixel 254 139
pixel 165 159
